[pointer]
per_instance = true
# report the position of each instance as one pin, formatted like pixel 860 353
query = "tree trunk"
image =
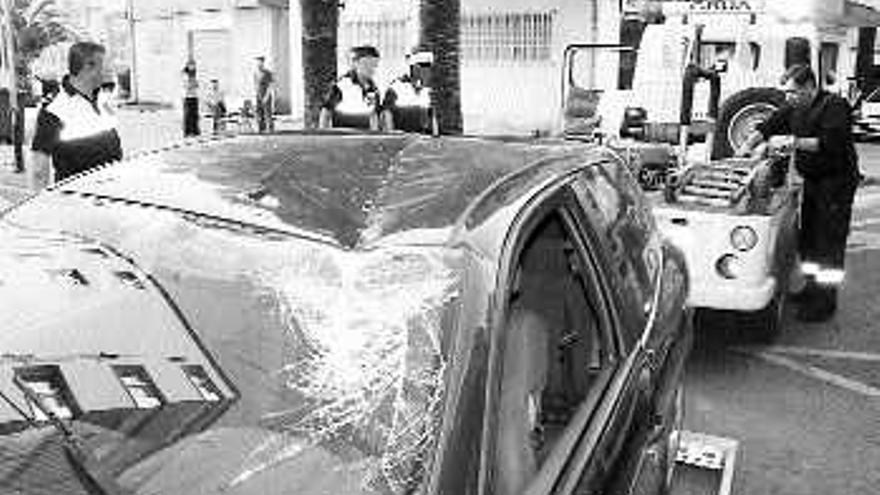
pixel 320 24
pixel 440 25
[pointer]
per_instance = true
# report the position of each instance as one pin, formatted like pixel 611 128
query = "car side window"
pixel 557 353
pixel 627 230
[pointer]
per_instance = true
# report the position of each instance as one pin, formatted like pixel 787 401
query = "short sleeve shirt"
pixel 353 101
pixel 829 118
pixel 76 132
pixel 409 104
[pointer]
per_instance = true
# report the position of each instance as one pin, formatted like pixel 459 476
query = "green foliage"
pixel 37 24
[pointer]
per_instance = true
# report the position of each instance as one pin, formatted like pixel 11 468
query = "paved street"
pixel 806 410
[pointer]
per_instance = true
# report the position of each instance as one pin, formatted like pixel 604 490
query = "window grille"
pixel 511 36
pixel 388 35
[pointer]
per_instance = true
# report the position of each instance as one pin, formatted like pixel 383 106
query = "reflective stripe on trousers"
pixel 823 275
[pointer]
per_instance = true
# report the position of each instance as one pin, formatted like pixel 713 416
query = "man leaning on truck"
pixel 816 126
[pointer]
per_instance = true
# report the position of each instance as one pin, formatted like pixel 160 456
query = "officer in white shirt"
pixel 354 100
pixel 77 130
pixel 407 103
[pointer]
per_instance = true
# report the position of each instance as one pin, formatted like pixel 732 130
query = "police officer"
pixel 817 126
pixel 407 102
pixel 354 100
pixel 75 131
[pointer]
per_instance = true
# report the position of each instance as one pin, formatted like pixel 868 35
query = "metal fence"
pixel 523 37
pixel 507 37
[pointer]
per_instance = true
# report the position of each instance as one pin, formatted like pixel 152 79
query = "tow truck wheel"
pixel 739 116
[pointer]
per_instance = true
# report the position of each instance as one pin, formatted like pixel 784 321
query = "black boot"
pixel 807 293
pixel 821 306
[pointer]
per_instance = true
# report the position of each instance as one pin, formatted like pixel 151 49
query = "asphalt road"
pixel 805 410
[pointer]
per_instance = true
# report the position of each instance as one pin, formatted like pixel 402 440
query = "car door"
pixel 651 288
pixel 611 457
pixel 564 391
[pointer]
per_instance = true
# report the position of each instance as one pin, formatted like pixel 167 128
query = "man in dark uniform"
pixel 407 103
pixel 354 100
pixel 264 92
pixel 75 131
pixel 817 126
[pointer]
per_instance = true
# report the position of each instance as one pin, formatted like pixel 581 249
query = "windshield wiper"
pixel 89 470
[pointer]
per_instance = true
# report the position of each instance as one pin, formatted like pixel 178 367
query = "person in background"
pixel 354 100
pixel 190 99
pixel 74 132
pixel 816 125
pixel 264 89
pixel 217 105
pixel 407 102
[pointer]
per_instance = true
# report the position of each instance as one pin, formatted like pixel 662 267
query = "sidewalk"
pixel 139 129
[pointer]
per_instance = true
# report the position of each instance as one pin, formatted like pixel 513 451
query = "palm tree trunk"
pixel 440 26
pixel 320 23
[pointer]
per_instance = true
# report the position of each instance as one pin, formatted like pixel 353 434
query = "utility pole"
pixel 129 13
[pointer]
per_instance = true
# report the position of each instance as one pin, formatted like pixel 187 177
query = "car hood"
pixel 253 462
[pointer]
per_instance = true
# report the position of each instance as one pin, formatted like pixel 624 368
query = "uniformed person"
pixel 264 96
pixel 354 100
pixel 407 102
pixel 817 126
pixel 75 131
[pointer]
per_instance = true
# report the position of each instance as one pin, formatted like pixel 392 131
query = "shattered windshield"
pixel 371 371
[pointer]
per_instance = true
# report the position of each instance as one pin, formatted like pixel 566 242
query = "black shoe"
pixel 808 293
pixel 814 314
pixel 802 296
pixel 822 306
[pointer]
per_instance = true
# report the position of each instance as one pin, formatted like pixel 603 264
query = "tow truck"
pixel 735 219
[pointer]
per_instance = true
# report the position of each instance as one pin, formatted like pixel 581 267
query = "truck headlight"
pixel 743 238
pixel 728 266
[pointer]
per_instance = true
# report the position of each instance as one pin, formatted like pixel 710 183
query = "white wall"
pixel 162 51
pixel 501 96
pixel 526 97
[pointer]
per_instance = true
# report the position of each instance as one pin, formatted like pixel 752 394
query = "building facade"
pixel 222 36
pixel 511 52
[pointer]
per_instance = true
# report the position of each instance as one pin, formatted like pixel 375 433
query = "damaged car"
pixel 335 313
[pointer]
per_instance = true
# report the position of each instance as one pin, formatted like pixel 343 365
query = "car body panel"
pixel 414 246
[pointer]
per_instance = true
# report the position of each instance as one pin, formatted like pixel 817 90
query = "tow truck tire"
pixel 739 114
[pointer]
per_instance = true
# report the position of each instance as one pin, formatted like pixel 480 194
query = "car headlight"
pixel 728 266
pixel 743 238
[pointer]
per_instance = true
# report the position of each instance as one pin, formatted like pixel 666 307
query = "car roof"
pixel 346 189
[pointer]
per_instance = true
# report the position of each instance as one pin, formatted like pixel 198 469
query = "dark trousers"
pixel 191 116
pixel 825 215
pixel 265 121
